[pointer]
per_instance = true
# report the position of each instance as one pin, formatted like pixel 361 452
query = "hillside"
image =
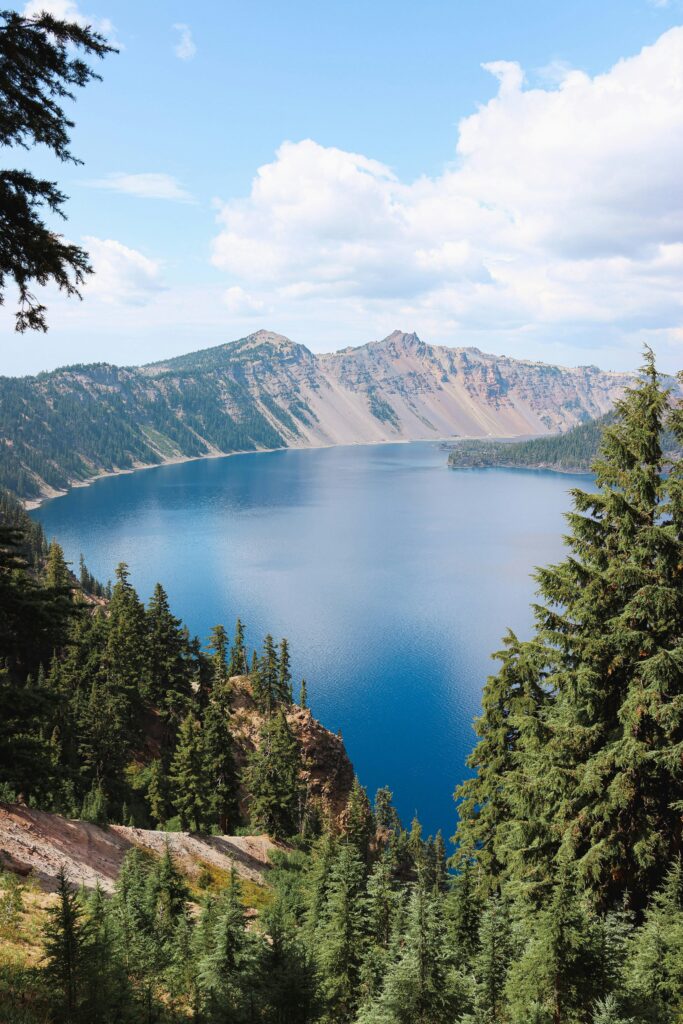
pixel 573 452
pixel 265 391
pixel 37 844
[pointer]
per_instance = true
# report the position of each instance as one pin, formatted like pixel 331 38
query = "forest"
pixel 563 898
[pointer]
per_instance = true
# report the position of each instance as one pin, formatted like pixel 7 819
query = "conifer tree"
pixel 340 938
pixel 218 648
pixel 654 969
pixel 284 675
pixel 219 763
pixel 66 943
pixel 188 782
pixel 227 970
pixel 126 658
pixel 303 695
pixel 266 680
pixel 57 574
pixel 168 682
pixel 238 654
pixel 273 779
pixel 166 896
pixel 360 824
pixel 492 962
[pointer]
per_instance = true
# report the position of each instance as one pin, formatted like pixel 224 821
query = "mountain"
pixel 265 391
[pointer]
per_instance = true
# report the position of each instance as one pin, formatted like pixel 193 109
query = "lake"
pixel 393 577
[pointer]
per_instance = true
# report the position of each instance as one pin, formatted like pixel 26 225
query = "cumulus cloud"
pixel 123 276
pixel 145 186
pixel 68 10
pixel 185 48
pixel 562 206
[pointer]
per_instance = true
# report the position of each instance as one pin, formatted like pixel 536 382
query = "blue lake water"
pixel 393 578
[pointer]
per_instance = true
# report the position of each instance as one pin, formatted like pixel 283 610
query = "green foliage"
pixel 273 778
pixel 40 65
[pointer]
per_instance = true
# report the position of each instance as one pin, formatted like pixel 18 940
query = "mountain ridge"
pixel 265 391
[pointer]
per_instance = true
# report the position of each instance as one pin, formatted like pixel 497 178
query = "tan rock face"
pixel 37 843
pixel 328 772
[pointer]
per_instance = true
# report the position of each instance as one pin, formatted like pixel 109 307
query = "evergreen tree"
pixel 168 680
pixel 492 962
pixel 188 783
pixel 238 654
pixel 266 681
pixel 57 573
pixel 284 675
pixel 227 970
pixel 340 936
pixel 303 695
pixel 66 948
pixel 360 824
pixel 41 64
pixel 273 779
pixel 219 764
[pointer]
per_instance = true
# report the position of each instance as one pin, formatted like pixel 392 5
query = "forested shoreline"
pixel 563 900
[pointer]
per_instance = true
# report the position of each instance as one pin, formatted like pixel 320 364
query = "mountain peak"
pixel 402 338
pixel 265 337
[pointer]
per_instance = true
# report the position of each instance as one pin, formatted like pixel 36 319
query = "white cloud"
pixel 185 48
pixel 68 10
pixel 123 276
pixel 145 186
pixel 562 211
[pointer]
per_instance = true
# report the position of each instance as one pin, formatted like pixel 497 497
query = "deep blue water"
pixel 393 578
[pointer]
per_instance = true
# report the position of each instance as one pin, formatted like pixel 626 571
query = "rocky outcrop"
pixel 37 843
pixel 328 772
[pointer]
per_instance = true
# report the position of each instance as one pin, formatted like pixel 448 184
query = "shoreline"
pixel 31 504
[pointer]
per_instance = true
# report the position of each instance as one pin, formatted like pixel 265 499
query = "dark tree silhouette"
pixel 41 63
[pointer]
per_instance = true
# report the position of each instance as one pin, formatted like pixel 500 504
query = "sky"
pixel 498 173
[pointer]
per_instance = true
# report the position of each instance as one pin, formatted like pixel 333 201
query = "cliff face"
pixel 328 772
pixel 266 391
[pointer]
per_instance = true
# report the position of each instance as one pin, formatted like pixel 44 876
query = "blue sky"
pixel 530 207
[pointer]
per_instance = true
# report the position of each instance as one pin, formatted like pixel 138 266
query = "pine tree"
pixel 422 986
pixel 57 574
pixel 238 654
pixel 463 908
pixel 492 962
pixel 218 648
pixel 219 763
pixel 188 782
pixel 273 779
pixel 166 896
pixel 168 681
pixel 66 942
pixel 613 611
pixel 340 936
pixel 558 969
pixel 227 970
pixel 654 969
pixel 126 657
pixel 284 675
pixel 266 681
pixel 303 695
pixel 486 802
pixel 360 824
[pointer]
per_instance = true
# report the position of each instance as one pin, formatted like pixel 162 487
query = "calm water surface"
pixel 393 578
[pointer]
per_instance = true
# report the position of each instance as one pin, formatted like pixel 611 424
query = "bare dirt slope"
pixel 38 843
